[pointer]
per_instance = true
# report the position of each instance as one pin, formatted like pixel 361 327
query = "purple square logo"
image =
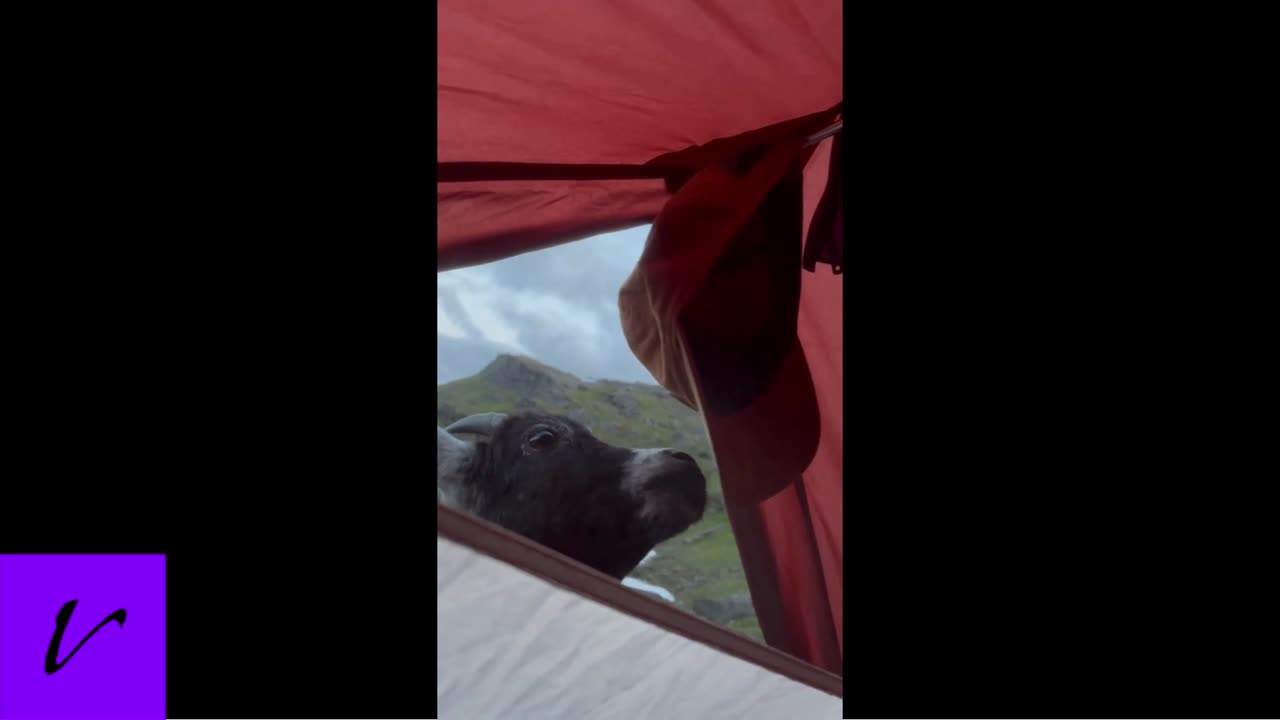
pixel 82 636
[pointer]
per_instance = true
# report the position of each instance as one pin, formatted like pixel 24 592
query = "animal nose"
pixel 680 456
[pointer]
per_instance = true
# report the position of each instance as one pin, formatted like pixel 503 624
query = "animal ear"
pixel 483 424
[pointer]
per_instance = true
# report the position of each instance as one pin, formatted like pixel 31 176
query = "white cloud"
pixel 558 305
pixel 445 324
pixel 484 308
pixel 536 307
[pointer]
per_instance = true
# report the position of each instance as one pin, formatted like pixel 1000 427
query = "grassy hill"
pixel 701 566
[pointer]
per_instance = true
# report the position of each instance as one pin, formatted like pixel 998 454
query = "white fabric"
pixel 513 646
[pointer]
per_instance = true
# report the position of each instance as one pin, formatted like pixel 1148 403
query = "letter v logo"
pixel 51 664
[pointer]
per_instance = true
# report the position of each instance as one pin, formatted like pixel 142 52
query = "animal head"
pixel 548 478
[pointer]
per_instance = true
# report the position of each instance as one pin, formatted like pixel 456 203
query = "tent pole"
pixel 819 137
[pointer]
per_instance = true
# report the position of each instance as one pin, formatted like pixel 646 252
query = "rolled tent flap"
pixel 487 211
pixel 719 310
pixel 483 221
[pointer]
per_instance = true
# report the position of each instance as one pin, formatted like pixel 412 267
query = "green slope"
pixel 701 566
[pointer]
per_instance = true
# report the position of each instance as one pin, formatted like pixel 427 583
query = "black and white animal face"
pixel 549 479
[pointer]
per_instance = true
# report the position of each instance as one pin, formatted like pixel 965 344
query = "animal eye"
pixel 542 439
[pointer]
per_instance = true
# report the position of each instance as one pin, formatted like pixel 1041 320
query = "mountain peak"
pixel 524 374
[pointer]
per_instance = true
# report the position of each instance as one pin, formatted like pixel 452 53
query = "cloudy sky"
pixel 559 306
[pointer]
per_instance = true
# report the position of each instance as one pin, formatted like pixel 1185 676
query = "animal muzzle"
pixel 671 485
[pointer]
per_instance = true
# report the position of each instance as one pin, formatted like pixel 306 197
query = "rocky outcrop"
pixel 529 378
pixel 624 404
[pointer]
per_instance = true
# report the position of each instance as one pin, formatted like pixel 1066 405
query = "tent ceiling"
pixel 581 81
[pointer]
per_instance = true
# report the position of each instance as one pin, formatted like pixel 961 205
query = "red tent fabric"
pixel 561 120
